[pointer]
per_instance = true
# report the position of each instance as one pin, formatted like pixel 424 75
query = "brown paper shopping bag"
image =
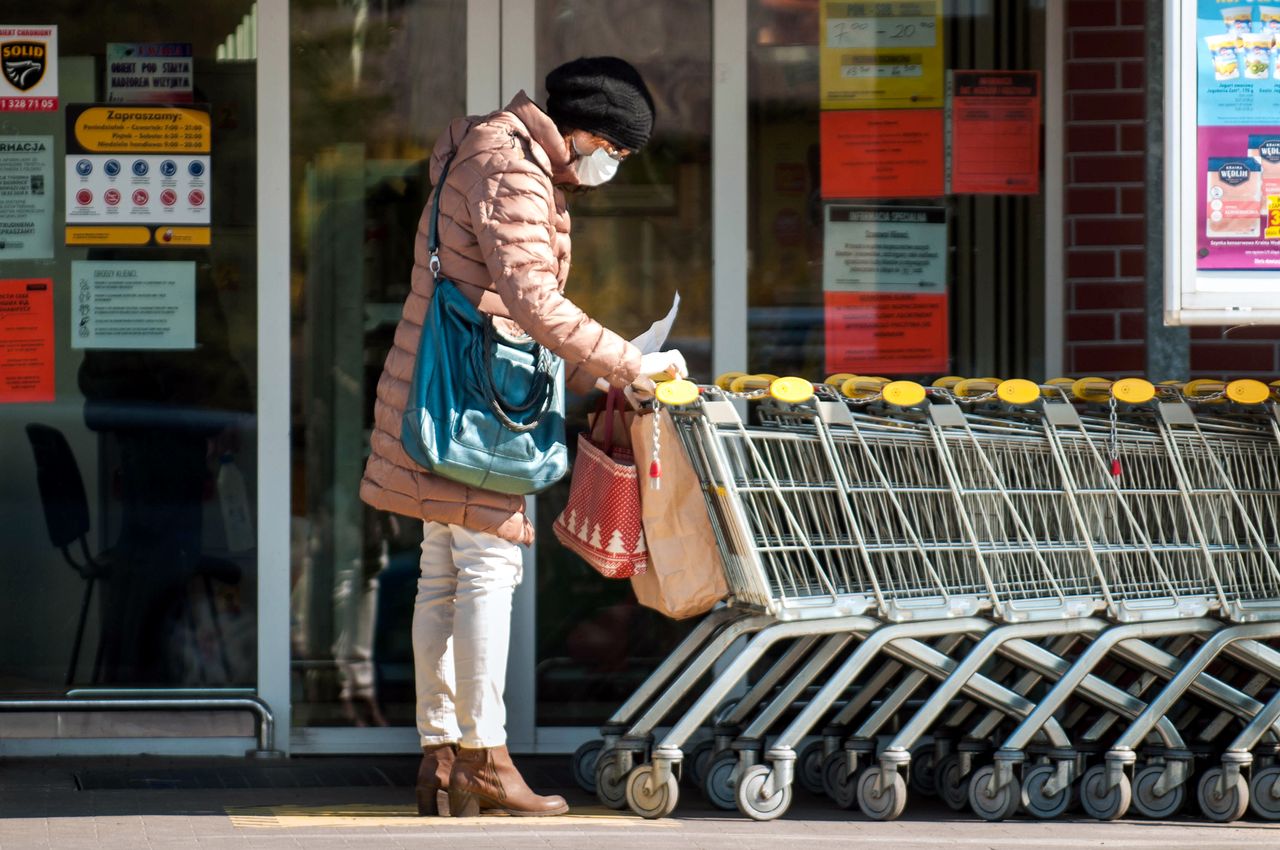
pixel 686 575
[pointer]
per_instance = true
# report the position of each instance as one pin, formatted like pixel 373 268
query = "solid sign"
pixel 149 73
pixel 26 198
pixel 881 55
pixel 28 69
pixel 26 341
pixel 994 132
pixel 882 153
pixel 133 305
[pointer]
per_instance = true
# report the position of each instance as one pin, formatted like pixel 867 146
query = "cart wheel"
pixel 877 804
pixel 922 779
pixel 583 764
pixel 751 799
pixel 698 760
pixel 652 803
pixel 833 773
pixel 718 784
pixel 1222 807
pixel 952 786
pixel 1037 803
pixel 1261 799
pixel 1100 802
pixel 809 768
pixel 611 783
pixel 992 807
pixel 1145 799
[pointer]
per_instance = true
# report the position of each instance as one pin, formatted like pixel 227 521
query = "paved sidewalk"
pixel 42 806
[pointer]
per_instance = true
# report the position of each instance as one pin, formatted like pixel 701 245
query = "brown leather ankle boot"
pixel 433 779
pixel 485 780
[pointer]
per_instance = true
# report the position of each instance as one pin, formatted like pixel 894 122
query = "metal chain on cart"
pixel 1113 441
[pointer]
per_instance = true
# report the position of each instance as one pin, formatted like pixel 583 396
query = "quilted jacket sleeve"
pixel 511 203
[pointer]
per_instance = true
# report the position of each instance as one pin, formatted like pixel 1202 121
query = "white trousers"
pixel 461 628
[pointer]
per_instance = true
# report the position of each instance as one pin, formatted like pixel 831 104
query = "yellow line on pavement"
pixel 370 815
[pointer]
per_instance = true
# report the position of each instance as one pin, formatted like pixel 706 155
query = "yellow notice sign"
pixel 140 129
pixel 882 55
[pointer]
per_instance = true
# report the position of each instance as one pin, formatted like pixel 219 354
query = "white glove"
pixel 671 362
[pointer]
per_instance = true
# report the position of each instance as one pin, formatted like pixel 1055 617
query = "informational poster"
pixel 993 133
pixel 881 55
pixel 26 341
pixel 141 72
pixel 885 289
pixel 895 153
pixel 26 197
pixel 138 175
pixel 1238 137
pixel 133 305
pixel 28 68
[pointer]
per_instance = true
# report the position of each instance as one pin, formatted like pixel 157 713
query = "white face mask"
pixel 594 168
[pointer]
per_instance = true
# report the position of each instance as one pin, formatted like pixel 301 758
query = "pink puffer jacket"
pixel 504 239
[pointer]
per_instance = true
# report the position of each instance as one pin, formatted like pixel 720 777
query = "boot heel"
pixel 463 804
pixel 428 805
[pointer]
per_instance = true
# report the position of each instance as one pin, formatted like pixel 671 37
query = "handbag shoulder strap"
pixel 433 228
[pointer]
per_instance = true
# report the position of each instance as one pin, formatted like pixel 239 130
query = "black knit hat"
pixel 602 95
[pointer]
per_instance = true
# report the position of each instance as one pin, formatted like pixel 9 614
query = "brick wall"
pixel 1105 209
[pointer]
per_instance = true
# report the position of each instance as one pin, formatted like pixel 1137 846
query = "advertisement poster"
pixel 882 154
pixel 885 289
pixel 137 175
pixel 133 305
pixel 881 55
pixel 1238 137
pixel 26 341
pixel 994 132
pixel 149 73
pixel 28 69
pixel 26 198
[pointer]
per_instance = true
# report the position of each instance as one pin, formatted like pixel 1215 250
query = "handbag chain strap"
pixel 542 391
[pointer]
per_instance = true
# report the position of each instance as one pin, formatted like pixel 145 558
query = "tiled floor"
pixel 41 807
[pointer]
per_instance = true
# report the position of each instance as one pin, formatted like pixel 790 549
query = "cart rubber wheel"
pixel 1034 799
pixel 809 768
pixel 1102 803
pixel 952 786
pixel 993 807
pixel 651 803
pixel 718 784
pixel 922 779
pixel 841 786
pixel 878 804
pixel 698 760
pixel 751 799
pixel 1145 799
pixel 1222 807
pixel 583 764
pixel 833 773
pixel 1263 803
pixel 611 783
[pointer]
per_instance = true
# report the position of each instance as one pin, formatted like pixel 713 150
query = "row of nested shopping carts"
pixel 1014 596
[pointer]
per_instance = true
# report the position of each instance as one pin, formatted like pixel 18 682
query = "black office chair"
pixel 66 513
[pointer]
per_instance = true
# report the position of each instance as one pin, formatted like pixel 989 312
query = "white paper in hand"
pixel 656 336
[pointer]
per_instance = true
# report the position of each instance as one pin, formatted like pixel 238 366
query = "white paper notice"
pixel 133 305
pixel 656 336
pixel 26 198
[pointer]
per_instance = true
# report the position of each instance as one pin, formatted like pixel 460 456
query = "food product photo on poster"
pixel 133 305
pixel 149 73
pixel 26 341
pixel 881 55
pixel 28 68
pixel 993 132
pixel 138 175
pixel 26 197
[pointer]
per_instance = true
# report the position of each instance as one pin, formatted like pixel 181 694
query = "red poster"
pixel 883 333
pixel 995 132
pixel 882 153
pixel 26 340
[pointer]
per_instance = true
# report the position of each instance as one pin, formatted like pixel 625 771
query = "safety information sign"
pixel 889 153
pixel 133 305
pixel 28 69
pixel 993 133
pixel 137 175
pixel 26 198
pixel 26 341
pixel 149 73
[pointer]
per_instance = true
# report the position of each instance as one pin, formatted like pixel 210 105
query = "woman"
pixel 504 237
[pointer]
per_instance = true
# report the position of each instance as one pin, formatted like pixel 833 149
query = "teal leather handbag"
pixel 483 409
